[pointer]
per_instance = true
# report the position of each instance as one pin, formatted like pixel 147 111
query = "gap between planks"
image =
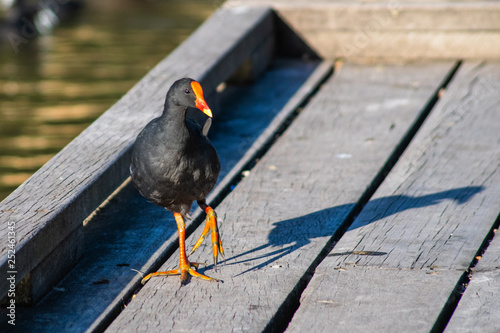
pixel 130 234
pixel 51 204
pixel 430 216
pixel 478 307
pixel 280 217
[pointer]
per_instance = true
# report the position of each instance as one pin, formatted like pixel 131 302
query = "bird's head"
pixel 187 92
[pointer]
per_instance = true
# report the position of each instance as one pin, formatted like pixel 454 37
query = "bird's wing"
pixel 206 127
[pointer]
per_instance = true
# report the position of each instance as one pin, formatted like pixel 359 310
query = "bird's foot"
pixel 211 226
pixel 184 270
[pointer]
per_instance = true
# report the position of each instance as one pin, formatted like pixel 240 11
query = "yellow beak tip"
pixel 208 112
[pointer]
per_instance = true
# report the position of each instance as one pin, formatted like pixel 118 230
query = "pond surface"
pixel 54 86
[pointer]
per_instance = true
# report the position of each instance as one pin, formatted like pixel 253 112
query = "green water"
pixel 56 85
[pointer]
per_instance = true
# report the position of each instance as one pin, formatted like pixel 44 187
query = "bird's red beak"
pixel 200 101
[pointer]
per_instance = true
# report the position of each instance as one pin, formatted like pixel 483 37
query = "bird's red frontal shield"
pixel 200 101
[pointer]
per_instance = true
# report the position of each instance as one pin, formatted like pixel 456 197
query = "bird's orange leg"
pixel 211 226
pixel 184 266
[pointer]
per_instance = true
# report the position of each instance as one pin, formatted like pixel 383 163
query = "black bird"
pixel 174 164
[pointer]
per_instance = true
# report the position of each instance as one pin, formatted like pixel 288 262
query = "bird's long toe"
pixel 212 227
pixel 164 273
pixel 184 271
pixel 216 239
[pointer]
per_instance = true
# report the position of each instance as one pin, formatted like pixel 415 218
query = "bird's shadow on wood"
pixel 292 234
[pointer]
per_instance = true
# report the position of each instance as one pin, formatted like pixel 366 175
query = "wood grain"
pixel 129 235
pixel 57 198
pixel 479 307
pixel 393 30
pixel 420 231
pixel 280 216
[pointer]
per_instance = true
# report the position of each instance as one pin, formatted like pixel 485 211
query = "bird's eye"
pixel 186 91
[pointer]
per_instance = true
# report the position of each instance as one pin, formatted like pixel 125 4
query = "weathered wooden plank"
pixel 479 307
pixel 398 264
pixel 393 30
pixel 56 199
pixel 129 233
pixel 374 302
pixel 401 15
pixel 278 219
pixel 385 46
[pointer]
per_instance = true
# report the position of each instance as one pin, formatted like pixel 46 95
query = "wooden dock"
pixel 357 193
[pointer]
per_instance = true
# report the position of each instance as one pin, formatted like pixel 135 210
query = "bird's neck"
pixel 174 114
pixel 174 120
